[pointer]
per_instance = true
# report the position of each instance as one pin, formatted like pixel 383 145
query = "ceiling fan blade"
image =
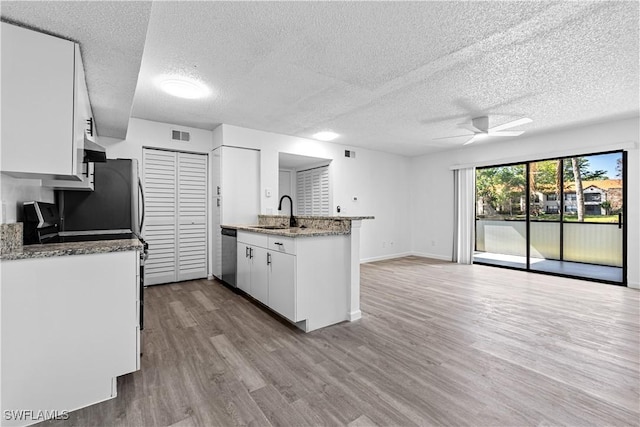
pixel 511 124
pixel 449 137
pixel 475 138
pixel 507 133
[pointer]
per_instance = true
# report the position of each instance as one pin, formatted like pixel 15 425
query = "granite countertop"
pixel 73 248
pixel 289 232
pixel 333 217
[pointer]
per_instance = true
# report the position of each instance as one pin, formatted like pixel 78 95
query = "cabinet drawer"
pixel 282 244
pixel 253 239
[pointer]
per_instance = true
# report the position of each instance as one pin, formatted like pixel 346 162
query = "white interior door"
pixel 159 176
pixel 192 216
pixel 175 215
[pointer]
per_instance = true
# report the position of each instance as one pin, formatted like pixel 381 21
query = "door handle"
pixel 620 220
pixel 268 258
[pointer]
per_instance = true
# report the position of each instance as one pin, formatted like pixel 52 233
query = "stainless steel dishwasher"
pixel 229 256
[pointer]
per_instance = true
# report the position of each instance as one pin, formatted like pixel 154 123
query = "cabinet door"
pixel 216 258
pixel 282 289
pixel 240 185
pixel 243 272
pixel 259 275
pixel 37 104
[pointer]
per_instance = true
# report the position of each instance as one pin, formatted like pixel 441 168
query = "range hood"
pixel 94 152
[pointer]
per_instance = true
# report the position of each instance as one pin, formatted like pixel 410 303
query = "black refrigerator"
pixel 114 210
pixel 116 206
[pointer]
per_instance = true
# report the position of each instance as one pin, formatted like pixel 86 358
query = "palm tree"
pixel 575 163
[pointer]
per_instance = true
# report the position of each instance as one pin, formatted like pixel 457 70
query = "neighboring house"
pixel 595 194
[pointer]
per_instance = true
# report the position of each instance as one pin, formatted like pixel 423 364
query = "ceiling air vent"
pixel 177 135
pixel 351 154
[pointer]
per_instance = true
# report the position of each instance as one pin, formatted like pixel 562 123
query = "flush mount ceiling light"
pixel 183 88
pixel 326 136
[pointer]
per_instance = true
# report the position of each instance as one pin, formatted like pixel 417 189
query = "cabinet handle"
pixel 250 253
pixel 268 258
pixel 218 190
pixel 218 202
pixel 246 252
pixel 90 124
pixel 278 243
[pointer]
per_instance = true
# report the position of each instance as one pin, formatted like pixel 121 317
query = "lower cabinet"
pixel 306 280
pixel 267 275
pixel 69 328
pixel 282 286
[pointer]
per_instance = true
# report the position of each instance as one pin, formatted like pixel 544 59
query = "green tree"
pixel 585 173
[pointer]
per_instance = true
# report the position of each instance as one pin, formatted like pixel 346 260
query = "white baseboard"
pixel 634 285
pixel 434 256
pixel 384 257
pixel 354 315
pixel 404 254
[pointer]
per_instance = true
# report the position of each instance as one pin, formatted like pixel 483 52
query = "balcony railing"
pixel 593 243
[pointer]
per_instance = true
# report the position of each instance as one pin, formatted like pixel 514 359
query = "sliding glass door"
pixel 561 216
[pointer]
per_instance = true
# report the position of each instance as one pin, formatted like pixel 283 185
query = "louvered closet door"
pixel 159 174
pixel 312 191
pixel 192 216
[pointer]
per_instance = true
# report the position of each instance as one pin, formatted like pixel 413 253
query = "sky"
pixel 605 162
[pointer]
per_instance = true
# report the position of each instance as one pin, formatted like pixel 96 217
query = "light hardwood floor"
pixel 438 344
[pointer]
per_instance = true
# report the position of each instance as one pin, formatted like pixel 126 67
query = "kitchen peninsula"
pixel 308 274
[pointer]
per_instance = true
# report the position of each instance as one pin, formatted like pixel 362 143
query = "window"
pixel 552 197
pixel 312 191
pixel 592 197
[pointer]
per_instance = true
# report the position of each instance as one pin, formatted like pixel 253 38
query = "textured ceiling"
pixel 111 36
pixel 390 76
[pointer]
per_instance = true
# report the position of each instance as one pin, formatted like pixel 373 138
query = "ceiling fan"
pixel 480 128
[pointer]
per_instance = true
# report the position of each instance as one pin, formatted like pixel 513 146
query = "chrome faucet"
pixel 292 220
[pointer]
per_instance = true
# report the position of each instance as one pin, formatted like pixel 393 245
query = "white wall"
pixel 16 191
pixel 378 180
pixel 432 213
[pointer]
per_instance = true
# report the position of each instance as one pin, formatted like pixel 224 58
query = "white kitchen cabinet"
pixel 236 193
pixel 268 275
pixel 44 106
pixel 260 274
pixel 306 279
pixel 69 328
pixel 252 271
pixel 282 284
pixel 243 273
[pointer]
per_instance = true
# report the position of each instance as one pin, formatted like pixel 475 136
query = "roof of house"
pixel 603 184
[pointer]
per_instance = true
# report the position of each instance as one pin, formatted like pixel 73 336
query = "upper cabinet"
pixel 45 107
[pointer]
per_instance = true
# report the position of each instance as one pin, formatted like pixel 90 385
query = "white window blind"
pixel 312 191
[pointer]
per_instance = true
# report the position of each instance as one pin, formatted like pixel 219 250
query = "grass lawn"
pixel 608 219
